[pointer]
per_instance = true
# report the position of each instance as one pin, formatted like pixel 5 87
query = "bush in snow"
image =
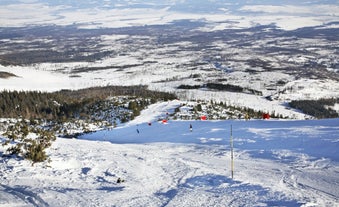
pixel 27 141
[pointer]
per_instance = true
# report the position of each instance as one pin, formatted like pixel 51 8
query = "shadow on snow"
pixel 236 192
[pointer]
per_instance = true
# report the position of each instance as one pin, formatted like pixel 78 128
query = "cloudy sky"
pixel 287 14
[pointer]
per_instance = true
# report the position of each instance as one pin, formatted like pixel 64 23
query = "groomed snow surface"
pixel 276 163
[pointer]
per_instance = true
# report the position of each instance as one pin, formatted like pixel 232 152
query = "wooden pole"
pixel 232 160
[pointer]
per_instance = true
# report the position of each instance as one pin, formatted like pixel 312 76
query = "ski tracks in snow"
pixel 24 194
pixel 317 187
pixel 202 181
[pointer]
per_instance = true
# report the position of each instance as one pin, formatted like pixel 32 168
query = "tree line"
pixel 222 87
pixel 67 104
pixel 318 108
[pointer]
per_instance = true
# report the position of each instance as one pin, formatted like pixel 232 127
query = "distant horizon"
pixel 288 15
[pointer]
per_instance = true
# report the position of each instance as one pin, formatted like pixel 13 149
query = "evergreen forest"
pixel 67 104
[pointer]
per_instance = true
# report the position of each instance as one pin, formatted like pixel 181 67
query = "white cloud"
pixel 314 10
pixel 23 14
pixel 28 1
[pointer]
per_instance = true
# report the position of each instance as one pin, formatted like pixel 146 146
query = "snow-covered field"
pixel 294 90
pixel 276 163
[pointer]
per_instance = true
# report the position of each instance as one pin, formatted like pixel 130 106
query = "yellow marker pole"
pixel 232 160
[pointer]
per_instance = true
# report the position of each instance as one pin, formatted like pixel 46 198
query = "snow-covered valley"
pixel 261 62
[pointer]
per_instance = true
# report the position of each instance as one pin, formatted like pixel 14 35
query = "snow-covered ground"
pixel 276 163
pixel 294 90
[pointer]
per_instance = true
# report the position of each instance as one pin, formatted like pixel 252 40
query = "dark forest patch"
pixel 6 75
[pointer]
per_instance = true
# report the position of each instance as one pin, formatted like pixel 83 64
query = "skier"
pixel 138 129
pixel 191 128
